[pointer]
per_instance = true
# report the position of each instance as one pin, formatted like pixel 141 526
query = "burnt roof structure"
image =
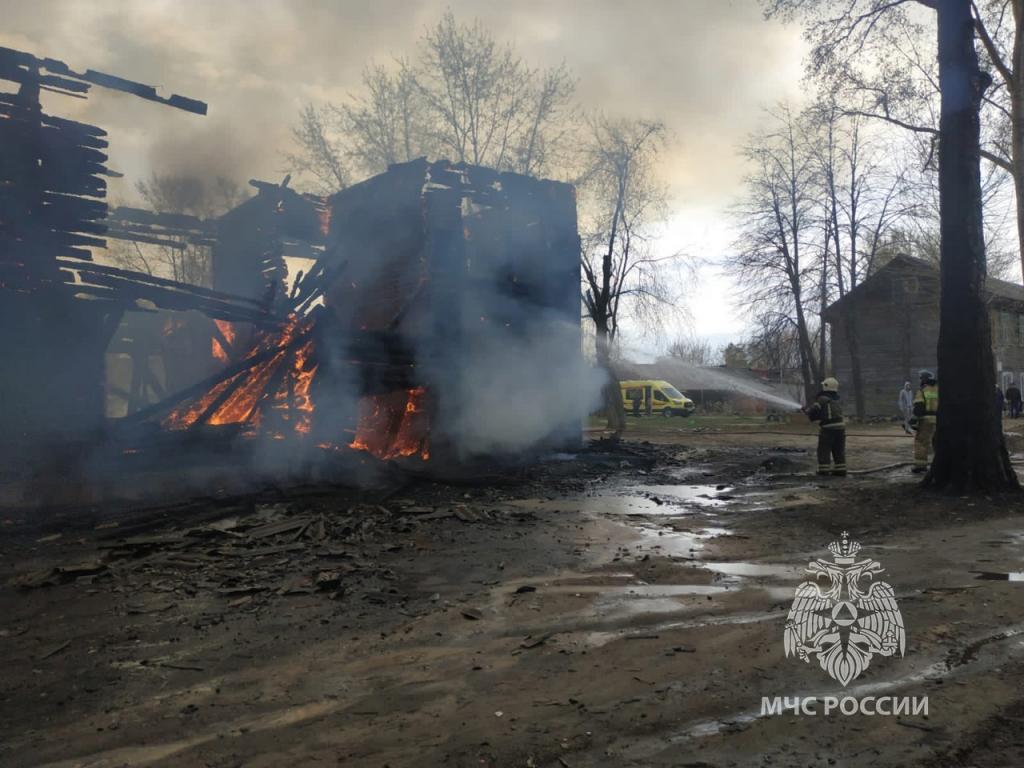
pixel 52 185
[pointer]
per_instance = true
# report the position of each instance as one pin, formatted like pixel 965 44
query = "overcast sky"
pixel 705 67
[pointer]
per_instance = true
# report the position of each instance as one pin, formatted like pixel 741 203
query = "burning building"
pixel 441 317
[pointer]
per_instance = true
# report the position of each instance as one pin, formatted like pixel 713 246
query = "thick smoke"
pixel 521 388
pixel 698 65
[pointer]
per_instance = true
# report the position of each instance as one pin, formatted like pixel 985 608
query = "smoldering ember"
pixel 511 384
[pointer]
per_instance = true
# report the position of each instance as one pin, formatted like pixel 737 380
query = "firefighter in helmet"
pixel 926 406
pixel 827 410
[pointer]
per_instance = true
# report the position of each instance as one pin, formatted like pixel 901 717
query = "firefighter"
pixel 926 406
pixel 827 410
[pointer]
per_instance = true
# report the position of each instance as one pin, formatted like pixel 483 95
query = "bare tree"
pixel 624 204
pixel 776 225
pixel 862 199
pixel 694 350
pixel 881 56
pixel 463 97
pixel 389 123
pixel 774 345
pixel 919 235
pixel 320 153
pixel 489 107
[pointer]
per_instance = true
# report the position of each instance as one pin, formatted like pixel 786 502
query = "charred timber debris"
pixel 371 347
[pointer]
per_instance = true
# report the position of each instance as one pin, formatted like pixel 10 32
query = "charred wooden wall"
pixel 449 258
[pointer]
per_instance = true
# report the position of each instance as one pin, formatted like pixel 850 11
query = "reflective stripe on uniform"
pixel 928 396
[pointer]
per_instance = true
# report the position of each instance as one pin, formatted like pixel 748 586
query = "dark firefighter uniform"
pixel 827 410
pixel 926 406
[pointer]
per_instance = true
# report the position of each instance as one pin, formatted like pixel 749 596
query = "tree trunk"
pixel 808 369
pixel 1017 123
pixel 853 349
pixel 822 301
pixel 823 347
pixel 1018 185
pixel 615 413
pixel 970 453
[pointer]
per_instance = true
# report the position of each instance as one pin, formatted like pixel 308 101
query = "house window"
pixel 1020 330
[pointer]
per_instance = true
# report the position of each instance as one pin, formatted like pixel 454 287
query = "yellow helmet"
pixel 830 385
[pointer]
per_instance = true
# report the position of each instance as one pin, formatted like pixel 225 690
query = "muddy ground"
pixel 623 606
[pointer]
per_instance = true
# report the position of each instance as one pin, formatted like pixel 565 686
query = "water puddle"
pixel 699 495
pixel 782 497
pixel 779 594
pixel 615 505
pixel 999 576
pixel 756 570
pixel 669 543
pixel 641 591
pixel 626 605
pixel 597 639
pixel 663 500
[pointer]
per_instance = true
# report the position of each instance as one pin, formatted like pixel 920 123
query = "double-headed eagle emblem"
pixel 841 620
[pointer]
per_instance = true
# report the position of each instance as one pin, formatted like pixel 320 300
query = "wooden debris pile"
pixel 262 553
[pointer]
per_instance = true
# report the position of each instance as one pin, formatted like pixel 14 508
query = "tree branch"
pixel 990 46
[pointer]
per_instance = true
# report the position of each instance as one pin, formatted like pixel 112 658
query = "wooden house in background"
pixel 896 316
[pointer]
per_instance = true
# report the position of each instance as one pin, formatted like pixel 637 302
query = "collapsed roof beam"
pixel 56 75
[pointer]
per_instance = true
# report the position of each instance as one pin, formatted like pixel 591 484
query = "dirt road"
pixel 620 607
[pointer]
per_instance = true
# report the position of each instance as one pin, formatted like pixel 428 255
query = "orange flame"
pixel 171 325
pixel 273 398
pixel 393 425
pixel 218 350
pixel 235 400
